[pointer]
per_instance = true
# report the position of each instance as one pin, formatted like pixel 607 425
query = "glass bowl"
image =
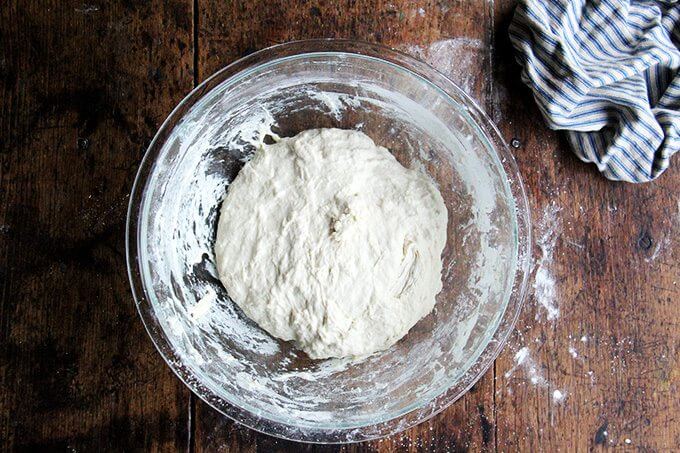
pixel 429 124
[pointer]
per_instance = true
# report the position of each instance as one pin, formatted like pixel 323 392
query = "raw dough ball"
pixel 325 239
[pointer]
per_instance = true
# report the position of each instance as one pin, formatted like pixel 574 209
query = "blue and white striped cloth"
pixel 607 72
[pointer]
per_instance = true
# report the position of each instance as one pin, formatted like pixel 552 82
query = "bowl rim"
pixel 507 320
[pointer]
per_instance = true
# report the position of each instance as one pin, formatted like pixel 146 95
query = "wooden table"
pixel 84 87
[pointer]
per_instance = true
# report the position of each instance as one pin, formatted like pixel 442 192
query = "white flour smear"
pixel 573 352
pixel 524 361
pixel 549 228
pixel 558 396
pixel 533 374
pixel 460 59
pixel 547 231
pixel 87 9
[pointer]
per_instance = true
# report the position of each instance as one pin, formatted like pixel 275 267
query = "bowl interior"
pixel 224 356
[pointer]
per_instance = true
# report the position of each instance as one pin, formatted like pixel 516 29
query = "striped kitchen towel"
pixel 607 72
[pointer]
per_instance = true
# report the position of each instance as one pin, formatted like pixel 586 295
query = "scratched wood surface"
pixel 592 364
pixel 83 90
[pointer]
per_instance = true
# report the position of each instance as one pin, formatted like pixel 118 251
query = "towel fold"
pixel 607 72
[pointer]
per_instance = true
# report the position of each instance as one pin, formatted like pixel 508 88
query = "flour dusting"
pixel 528 370
pixel 204 305
pixel 545 290
pixel 460 59
pixel 87 9
pixel 524 361
pixel 548 230
pixel 558 396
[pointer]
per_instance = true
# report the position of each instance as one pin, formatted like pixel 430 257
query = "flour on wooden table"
pixel 87 9
pixel 524 361
pixel 545 291
pixel 460 59
pixel 573 352
pixel 558 396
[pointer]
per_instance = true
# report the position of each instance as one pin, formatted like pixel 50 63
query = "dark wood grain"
pixel 83 89
pixel 616 265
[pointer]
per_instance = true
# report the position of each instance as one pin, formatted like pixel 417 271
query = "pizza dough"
pixel 326 240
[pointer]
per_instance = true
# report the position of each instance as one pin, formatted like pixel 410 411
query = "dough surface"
pixel 326 240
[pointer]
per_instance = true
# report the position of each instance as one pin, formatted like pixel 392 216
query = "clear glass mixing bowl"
pixel 428 123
